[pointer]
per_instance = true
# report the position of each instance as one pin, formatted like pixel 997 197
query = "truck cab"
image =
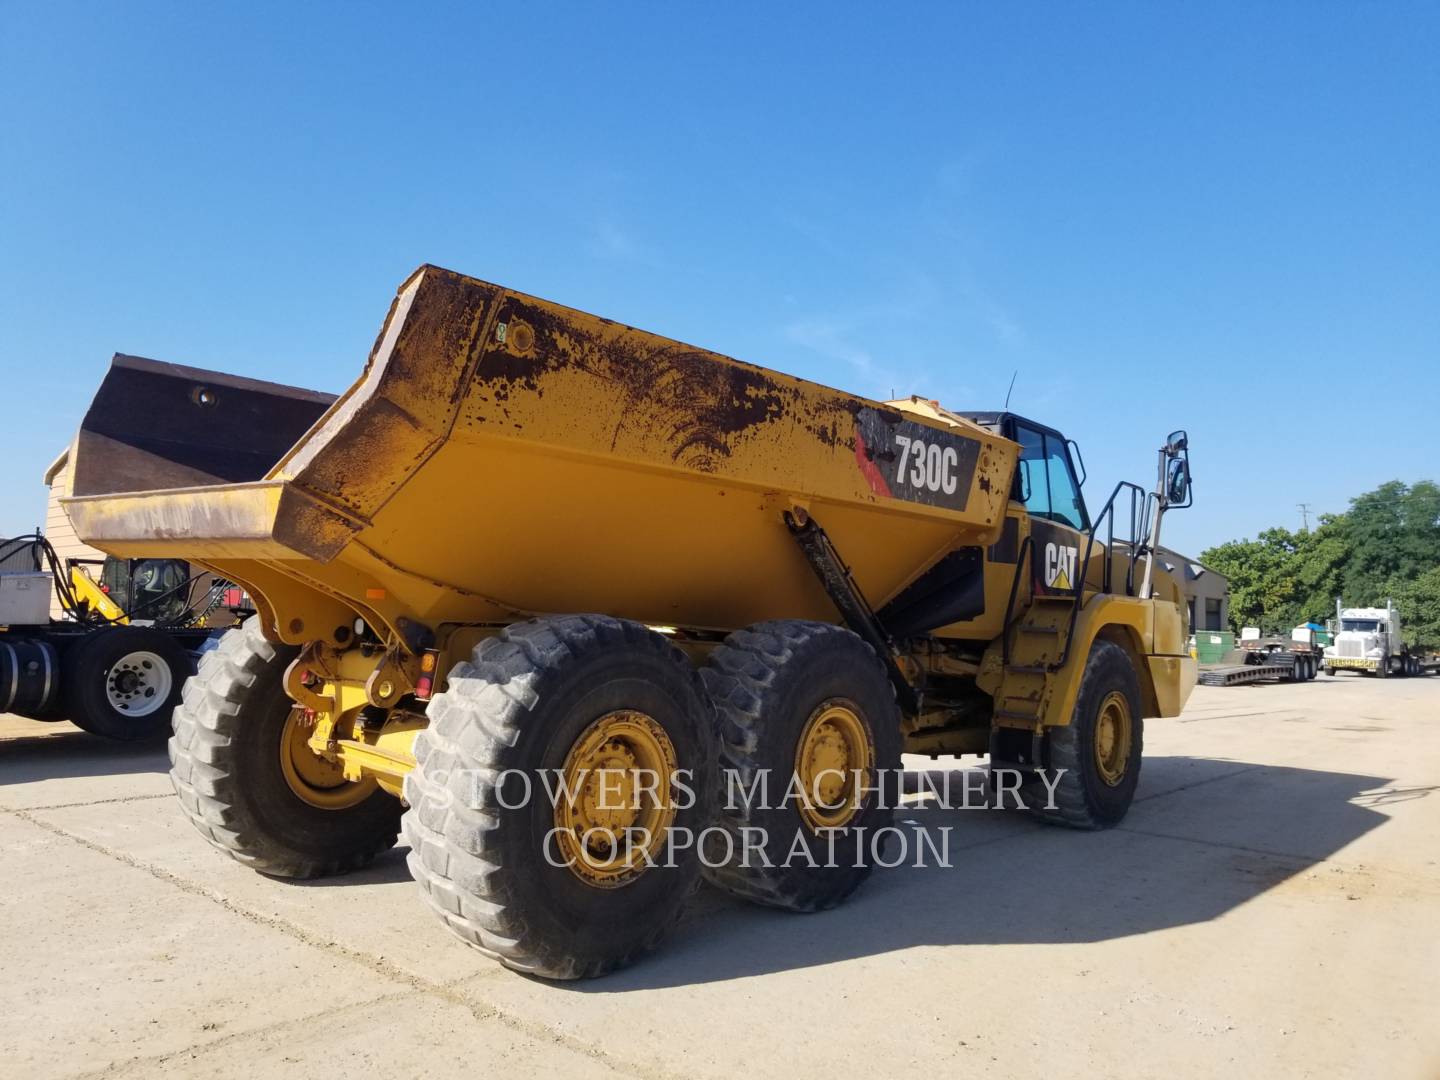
pixel 1368 640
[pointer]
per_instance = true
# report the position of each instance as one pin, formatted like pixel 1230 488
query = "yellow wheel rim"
pixel 314 780
pixel 1112 738
pixel 614 806
pixel 834 762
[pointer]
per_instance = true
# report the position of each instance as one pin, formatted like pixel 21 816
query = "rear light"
pixel 425 684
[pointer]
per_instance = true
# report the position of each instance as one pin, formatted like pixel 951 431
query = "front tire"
pixel 249 784
pixel 533 879
pixel 1100 749
pixel 124 682
pixel 810 701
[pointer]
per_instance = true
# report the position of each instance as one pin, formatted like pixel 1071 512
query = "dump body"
pixel 503 456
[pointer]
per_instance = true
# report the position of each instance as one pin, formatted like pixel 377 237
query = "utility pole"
pixel 1304 509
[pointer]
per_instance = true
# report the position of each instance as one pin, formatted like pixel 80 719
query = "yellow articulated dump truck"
pixel 558 597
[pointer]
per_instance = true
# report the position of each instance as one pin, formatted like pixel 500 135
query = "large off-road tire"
pixel 488 845
pixel 124 682
pixel 248 783
pixel 809 700
pixel 1100 770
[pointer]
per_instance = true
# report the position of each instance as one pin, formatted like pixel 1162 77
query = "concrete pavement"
pixel 1269 906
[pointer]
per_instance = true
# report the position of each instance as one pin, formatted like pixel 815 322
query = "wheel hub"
pixel 313 779
pixel 613 806
pixel 833 764
pixel 139 683
pixel 1112 738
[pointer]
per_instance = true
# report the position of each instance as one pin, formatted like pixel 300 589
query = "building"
pixel 1207 592
pixel 58 529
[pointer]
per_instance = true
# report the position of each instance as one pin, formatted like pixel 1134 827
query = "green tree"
pixel 1418 599
pixel 1394 535
pixel 1387 545
pixel 1321 557
pixel 1263 578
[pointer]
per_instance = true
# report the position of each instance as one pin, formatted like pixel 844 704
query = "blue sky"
pixel 1221 217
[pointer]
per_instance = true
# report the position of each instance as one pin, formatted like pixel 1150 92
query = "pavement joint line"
pixel 1229 716
pixel 378 965
pixel 148 1061
pixel 1198 783
pixel 1308 860
pixel 91 802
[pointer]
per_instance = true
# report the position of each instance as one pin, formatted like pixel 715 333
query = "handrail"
pixel 1026 545
pixel 1136 543
pixel 1139 505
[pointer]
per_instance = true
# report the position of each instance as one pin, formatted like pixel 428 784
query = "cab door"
pixel 1046 485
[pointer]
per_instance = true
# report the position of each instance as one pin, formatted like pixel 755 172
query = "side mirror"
pixel 1177 443
pixel 1177 482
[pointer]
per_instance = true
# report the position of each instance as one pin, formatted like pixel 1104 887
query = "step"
pixel 1011 714
pixel 1027 669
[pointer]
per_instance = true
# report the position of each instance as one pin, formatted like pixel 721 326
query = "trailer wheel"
pixel 250 785
pixel 560 792
pixel 124 682
pixel 808 703
pixel 1099 750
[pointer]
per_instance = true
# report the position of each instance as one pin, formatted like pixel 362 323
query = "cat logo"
pixel 1060 566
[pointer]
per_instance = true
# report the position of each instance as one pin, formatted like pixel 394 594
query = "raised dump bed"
pixel 503 456
pixel 532 550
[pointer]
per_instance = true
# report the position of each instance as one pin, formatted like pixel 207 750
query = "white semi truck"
pixel 1368 639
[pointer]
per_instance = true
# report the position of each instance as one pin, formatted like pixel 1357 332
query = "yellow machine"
pixel 550 585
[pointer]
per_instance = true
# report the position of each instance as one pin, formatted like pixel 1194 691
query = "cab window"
pixel 1045 481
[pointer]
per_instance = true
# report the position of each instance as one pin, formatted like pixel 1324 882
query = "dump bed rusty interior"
pixel 502 456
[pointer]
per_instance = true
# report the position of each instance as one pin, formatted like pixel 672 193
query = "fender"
pixel 1166 671
pixel 1151 631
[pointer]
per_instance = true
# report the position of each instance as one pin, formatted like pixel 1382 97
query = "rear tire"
pixel 779 688
pixel 124 682
pixel 227 767
pixel 487 846
pixel 1098 783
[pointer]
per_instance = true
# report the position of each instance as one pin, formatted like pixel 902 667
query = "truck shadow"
pixel 1203 837
pixel 54 755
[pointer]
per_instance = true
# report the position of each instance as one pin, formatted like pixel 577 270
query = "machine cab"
pixel 1050 471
